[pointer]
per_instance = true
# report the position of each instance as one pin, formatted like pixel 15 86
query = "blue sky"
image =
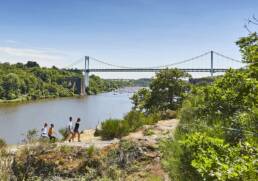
pixel 125 32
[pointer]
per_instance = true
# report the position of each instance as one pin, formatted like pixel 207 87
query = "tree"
pixel 140 98
pixel 167 90
pixel 11 85
pixel 31 64
pixel 249 49
pixel 232 93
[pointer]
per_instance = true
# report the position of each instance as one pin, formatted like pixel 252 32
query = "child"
pixel 51 133
pixel 44 131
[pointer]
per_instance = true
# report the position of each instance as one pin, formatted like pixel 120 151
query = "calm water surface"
pixel 17 119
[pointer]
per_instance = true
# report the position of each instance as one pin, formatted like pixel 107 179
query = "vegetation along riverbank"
pixel 22 82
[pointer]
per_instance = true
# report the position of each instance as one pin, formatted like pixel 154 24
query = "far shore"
pixel 26 99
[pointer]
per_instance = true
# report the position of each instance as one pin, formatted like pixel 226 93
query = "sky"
pixel 134 33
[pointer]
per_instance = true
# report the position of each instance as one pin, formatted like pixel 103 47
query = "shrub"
pixel 148 132
pixel 90 151
pixel 66 149
pixel 31 136
pixel 137 119
pixel 64 133
pixel 169 114
pixel 114 128
pixel 171 159
pixel 2 143
pixel 214 159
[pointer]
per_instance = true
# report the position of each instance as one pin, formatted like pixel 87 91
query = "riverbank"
pixel 27 99
pixel 133 157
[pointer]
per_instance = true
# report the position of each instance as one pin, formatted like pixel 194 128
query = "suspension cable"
pixel 229 58
pixel 155 67
pixel 74 63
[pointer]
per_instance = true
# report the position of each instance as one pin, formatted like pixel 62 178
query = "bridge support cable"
pixel 227 57
pixel 154 67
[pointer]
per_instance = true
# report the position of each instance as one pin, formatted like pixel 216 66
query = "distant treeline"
pixel 20 82
pixel 30 81
pixel 98 85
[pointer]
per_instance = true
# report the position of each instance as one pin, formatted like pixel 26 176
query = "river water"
pixel 17 119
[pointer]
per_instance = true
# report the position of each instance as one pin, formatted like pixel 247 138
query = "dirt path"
pixel 158 131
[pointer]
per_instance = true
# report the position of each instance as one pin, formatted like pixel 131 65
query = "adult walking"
pixel 70 129
pixel 76 130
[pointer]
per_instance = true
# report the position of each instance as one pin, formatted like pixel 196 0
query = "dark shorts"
pixel 52 137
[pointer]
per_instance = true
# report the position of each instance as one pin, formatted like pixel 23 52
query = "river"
pixel 17 119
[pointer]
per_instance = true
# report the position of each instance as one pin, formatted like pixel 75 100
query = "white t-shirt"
pixel 70 126
pixel 44 132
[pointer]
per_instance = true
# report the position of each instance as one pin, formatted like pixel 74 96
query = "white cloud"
pixel 11 41
pixel 45 57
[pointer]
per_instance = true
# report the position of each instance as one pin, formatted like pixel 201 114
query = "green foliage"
pixel 31 136
pixel 64 133
pixel 98 85
pixel 66 149
pixel 116 128
pixel 140 98
pixel 168 114
pixel 171 152
pixel 249 49
pixel 233 92
pixel 90 151
pixel 216 138
pixel 215 160
pixel 11 86
pixel 29 81
pixel 166 92
pixel 2 143
pixel 148 132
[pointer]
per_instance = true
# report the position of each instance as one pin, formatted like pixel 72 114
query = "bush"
pixel 2 143
pixel 169 114
pixel 64 133
pixel 171 159
pixel 90 151
pixel 137 119
pixel 114 128
pixel 214 159
pixel 148 132
pixel 31 136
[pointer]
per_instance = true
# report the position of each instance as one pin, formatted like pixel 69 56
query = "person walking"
pixel 52 133
pixel 44 131
pixel 76 130
pixel 70 129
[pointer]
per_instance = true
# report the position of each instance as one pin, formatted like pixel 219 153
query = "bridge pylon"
pixel 212 70
pixel 86 77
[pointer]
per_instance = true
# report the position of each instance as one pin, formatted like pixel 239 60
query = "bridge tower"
pixel 212 70
pixel 86 77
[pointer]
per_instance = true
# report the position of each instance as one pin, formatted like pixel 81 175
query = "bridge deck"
pixel 154 70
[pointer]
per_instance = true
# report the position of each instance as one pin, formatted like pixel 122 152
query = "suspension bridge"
pixel 119 68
